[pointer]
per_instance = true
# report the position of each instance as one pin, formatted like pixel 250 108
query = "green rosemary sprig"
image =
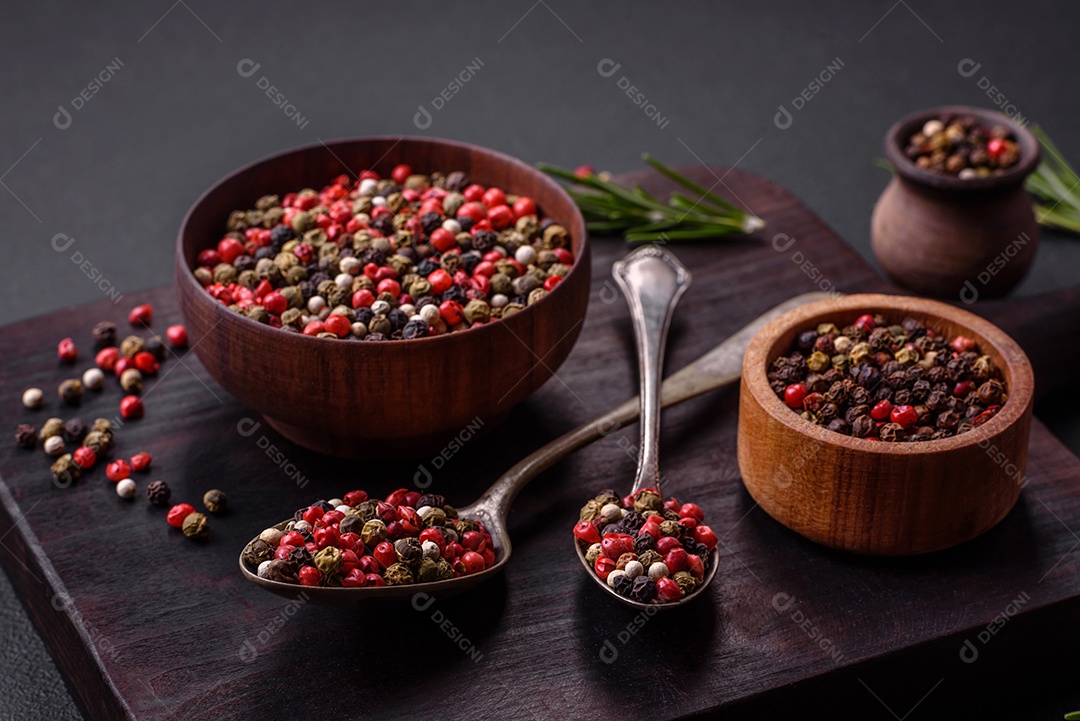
pixel 612 208
pixel 1056 188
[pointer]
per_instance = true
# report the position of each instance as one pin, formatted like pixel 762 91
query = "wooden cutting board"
pixel 146 624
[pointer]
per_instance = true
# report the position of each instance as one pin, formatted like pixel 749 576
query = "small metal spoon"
pixel 720 367
pixel 653 280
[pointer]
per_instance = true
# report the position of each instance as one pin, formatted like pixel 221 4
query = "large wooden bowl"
pixel 389 399
pixel 873 497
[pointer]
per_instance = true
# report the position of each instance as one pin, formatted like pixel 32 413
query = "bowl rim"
pixel 1030 150
pixel 186 276
pixel 1021 376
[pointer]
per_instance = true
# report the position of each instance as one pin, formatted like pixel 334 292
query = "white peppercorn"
pixel 54 445
pixel 33 398
pixel 93 379
pixel 126 488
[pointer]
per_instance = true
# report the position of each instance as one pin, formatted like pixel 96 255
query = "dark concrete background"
pixel 176 115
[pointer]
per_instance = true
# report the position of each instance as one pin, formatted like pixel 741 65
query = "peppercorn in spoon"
pixel 638 550
pixel 720 367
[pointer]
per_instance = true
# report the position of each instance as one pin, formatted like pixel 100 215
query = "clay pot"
pixel 942 236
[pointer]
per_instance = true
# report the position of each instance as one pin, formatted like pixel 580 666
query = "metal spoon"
pixel 653 281
pixel 720 367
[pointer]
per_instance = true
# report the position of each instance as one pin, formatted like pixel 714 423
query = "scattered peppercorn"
pixel 26 436
pixel 958 145
pixel 32 398
pixel 66 351
pixel 889 382
pixel 141 315
pixel 64 470
pixel 195 525
pixel 177 335
pixel 71 392
pixel 215 501
pixel 118 470
pixel 158 493
pixel 104 335
pixel 141 462
pixel 178 513
pixel 54 445
pixel 363 260
pixel 126 489
pixel 75 430
pixel 93 379
pixel 635 542
pixel 131 407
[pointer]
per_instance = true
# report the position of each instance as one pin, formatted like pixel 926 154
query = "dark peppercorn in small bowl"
pixel 874 496
pixel 404 398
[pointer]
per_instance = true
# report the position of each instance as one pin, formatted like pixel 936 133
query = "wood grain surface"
pixel 146 624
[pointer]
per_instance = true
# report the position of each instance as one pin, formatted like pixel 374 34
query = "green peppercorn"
pixel 398 574
pixel 591 510
pixel 196 526
pixel 51 427
pixel 257 551
pixel 373 533
pixel 427 571
pixel 648 501
pixel 687 583
pixel 328 560
pixel 536 295
pixel 71 392
pixel 555 236
pixel 215 501
pixel 477 311
pixel 64 470
pixel 670 528
pixel 650 557
pixel 433 517
pixel 131 381
pixel 132 345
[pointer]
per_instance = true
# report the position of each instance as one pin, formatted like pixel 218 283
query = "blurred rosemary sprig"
pixel 612 208
pixel 1056 188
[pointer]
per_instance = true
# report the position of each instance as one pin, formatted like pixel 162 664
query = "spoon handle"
pixel 720 367
pixel 652 280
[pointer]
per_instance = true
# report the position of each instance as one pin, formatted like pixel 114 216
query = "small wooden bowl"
pixel 938 235
pixel 873 497
pixel 395 398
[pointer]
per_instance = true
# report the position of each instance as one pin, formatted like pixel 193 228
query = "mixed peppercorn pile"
pixel 377 259
pixel 958 145
pixel 646 549
pixel 888 382
pixel 360 541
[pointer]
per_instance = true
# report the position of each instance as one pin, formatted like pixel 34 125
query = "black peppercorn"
pixel 75 430
pixel 643 543
pixel 158 493
pixel 104 334
pixel 26 436
pixel 155 346
pixel 643 589
pixel 623 585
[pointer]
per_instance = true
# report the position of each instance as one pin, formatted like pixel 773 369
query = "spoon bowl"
pixel 720 367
